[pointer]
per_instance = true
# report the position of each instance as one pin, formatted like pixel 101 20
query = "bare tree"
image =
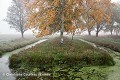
pixel 16 16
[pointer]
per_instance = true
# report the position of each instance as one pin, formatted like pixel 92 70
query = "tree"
pixel 116 17
pixel 53 14
pixel 117 29
pixel 16 16
pixel 87 18
pixel 102 14
pixel 115 20
pixel 48 16
pixel 110 28
pixel 116 12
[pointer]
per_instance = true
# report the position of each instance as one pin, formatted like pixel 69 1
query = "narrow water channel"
pixel 113 71
pixel 5 72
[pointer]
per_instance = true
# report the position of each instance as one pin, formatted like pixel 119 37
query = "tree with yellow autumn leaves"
pixel 49 16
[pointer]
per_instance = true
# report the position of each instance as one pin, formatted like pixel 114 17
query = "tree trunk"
pixel 22 34
pixel 61 38
pixel 61 33
pixel 97 32
pixel 73 35
pixel 62 25
pixel 89 32
pixel 111 32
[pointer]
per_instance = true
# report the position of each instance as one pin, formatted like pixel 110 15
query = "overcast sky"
pixel 4 27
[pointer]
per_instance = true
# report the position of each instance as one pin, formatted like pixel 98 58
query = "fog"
pixel 4 27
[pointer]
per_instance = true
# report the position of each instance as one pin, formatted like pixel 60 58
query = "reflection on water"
pixel 5 72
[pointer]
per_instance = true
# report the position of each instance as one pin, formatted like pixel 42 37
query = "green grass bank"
pixel 7 46
pixel 70 61
pixel 112 42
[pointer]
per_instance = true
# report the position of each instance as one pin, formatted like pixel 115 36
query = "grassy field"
pixel 70 61
pixel 11 42
pixel 112 42
pixel 8 37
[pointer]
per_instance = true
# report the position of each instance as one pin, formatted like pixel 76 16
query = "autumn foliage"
pixel 47 16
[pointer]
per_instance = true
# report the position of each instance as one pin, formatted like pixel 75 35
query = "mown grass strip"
pixel 112 42
pixel 8 46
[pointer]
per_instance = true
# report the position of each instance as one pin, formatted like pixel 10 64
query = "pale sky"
pixel 4 27
pixel 115 0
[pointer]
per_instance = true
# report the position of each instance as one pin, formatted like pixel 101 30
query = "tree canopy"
pixel 49 16
pixel 16 16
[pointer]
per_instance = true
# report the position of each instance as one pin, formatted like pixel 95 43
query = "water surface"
pixel 5 72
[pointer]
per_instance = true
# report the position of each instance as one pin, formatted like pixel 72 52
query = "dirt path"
pixel 113 72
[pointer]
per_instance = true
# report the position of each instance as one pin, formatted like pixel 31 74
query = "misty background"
pixel 4 26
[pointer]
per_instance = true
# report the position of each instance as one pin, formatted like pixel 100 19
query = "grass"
pixel 72 60
pixel 10 45
pixel 112 42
